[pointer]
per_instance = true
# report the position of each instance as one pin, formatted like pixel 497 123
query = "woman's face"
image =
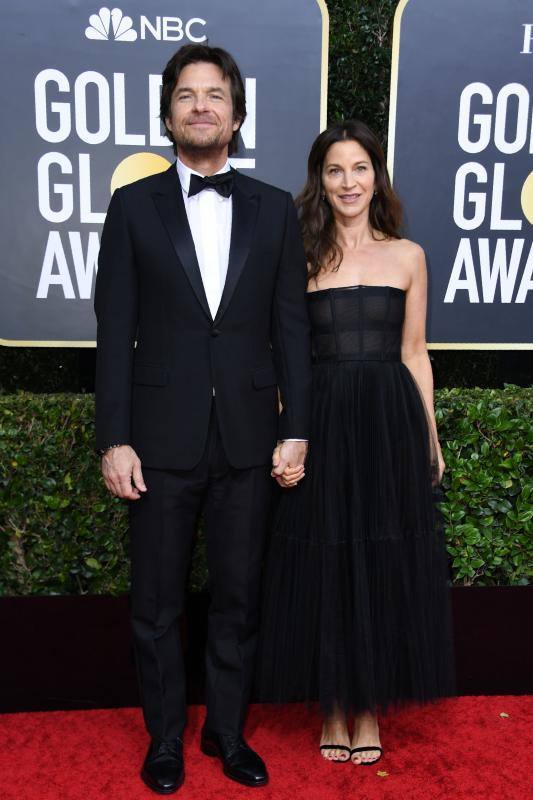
pixel 348 179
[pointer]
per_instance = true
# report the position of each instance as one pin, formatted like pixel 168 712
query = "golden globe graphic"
pixel 83 119
pixel 526 198
pixel 462 113
pixel 137 166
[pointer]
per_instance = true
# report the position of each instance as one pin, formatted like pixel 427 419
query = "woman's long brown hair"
pixel 316 218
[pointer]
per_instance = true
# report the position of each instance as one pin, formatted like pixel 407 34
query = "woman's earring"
pixel 323 196
pixel 375 192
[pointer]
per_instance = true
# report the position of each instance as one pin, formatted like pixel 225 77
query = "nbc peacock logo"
pixel 111 24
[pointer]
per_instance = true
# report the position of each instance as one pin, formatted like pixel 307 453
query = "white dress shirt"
pixel 209 216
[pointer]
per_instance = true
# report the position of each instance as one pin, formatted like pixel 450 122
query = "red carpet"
pixel 460 749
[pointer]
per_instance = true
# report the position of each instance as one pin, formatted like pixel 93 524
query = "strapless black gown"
pixel 356 606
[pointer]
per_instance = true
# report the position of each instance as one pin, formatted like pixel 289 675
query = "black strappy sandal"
pixel 362 750
pixel 337 747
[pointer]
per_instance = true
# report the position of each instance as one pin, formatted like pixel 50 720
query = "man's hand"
pixel 121 468
pixel 288 463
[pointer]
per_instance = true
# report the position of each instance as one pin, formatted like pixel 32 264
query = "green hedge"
pixel 62 534
pixel 487 438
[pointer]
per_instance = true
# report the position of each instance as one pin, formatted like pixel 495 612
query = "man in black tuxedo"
pixel 203 268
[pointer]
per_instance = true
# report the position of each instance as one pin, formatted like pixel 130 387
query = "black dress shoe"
pixel 239 761
pixel 163 766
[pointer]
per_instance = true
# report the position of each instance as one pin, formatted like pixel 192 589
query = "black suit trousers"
pixel 162 526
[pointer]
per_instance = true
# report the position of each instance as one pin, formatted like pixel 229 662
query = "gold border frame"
pixel 323 123
pixel 393 95
pixel 324 65
pixel 398 14
pixel 43 343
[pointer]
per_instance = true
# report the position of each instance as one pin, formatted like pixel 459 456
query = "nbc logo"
pixel 109 24
pixel 112 24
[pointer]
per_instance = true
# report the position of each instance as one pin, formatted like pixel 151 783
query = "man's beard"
pixel 210 141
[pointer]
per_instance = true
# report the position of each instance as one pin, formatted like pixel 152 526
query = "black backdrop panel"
pixel 461 143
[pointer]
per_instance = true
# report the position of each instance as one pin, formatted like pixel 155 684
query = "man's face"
pixel 201 108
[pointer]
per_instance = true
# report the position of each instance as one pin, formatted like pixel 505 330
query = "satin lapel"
pixel 169 203
pixel 243 219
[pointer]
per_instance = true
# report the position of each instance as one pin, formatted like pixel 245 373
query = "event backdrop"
pixel 80 94
pixel 460 146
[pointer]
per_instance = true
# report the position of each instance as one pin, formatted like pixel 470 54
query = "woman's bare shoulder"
pixel 407 249
pixel 411 256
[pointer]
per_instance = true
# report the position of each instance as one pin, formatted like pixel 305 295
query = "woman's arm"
pixel 414 348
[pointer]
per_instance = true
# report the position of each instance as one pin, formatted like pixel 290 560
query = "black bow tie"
pixel 221 183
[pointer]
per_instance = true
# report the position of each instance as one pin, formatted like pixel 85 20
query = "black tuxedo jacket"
pixel 157 395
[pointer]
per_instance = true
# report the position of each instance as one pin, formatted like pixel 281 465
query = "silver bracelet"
pixel 103 450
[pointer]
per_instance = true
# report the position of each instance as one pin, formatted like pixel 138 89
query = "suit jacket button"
pixel 215 332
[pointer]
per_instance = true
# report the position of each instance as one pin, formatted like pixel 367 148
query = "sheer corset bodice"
pixel 356 323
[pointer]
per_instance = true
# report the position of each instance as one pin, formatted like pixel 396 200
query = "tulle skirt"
pixel 356 600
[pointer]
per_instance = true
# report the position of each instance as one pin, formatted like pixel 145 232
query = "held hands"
pixel 121 468
pixel 288 463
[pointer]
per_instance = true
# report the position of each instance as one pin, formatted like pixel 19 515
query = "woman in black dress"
pixel 356 601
